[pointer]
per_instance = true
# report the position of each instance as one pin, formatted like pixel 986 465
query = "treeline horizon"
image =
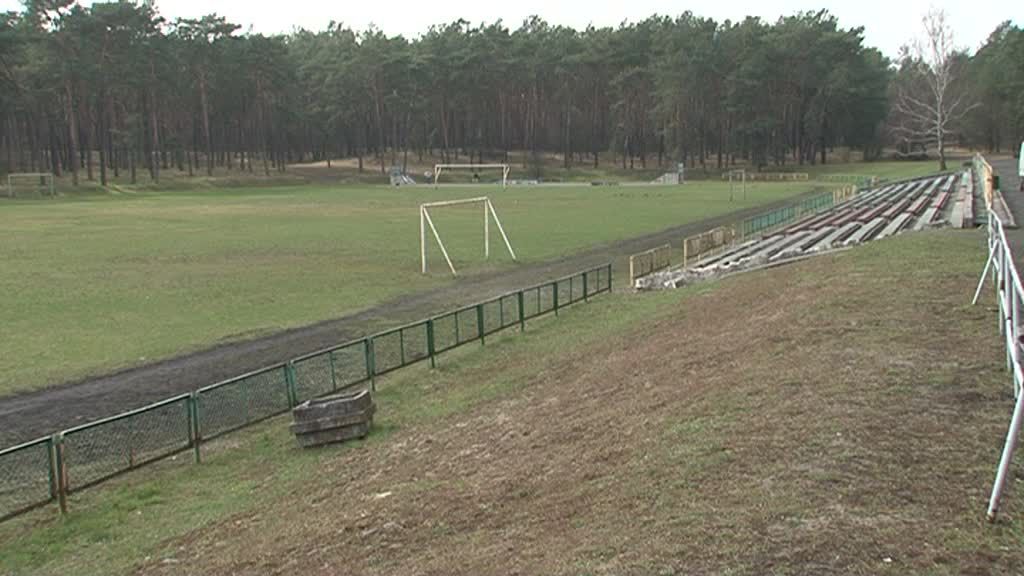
pixel 114 87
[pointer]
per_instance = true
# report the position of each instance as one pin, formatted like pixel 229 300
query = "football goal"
pixel 26 183
pixel 476 168
pixel 737 180
pixel 488 213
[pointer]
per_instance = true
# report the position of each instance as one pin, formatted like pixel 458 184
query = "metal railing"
pixel 1010 294
pixel 649 261
pixel 702 245
pixel 49 469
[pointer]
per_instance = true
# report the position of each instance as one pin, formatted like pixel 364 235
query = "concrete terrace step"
pixel 895 226
pixel 865 232
pixel 799 247
pixel 836 237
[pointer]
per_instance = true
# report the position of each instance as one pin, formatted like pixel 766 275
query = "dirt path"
pixel 32 414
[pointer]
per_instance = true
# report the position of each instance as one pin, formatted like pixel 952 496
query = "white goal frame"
pixel 37 176
pixel 739 174
pixel 426 221
pixel 438 168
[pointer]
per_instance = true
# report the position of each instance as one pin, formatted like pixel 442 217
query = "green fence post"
pixel 430 340
pixel 289 380
pixel 193 418
pixel 522 315
pixel 334 375
pixel 554 292
pixel 371 368
pixel 61 469
pixel 585 295
pixel 480 323
pixel 609 277
pixel 401 347
pixel 51 462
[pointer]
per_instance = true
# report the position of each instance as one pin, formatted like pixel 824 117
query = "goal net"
pixel 29 184
pixel 483 210
pixel 475 168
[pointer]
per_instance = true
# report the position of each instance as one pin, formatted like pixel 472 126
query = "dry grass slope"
pixel 841 415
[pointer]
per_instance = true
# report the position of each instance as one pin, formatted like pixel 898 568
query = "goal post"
pixel 39 182
pixel 439 168
pixel 426 222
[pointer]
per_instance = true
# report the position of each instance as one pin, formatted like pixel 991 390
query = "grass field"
pixel 97 282
pixel 804 419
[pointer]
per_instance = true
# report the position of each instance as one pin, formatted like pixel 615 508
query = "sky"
pixel 888 24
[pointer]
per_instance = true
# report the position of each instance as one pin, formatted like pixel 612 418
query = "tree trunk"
pixel 205 112
pixel 102 129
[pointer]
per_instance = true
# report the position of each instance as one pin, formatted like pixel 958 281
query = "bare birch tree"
pixel 930 100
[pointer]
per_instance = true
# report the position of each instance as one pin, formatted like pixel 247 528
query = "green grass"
pixel 95 283
pixel 143 515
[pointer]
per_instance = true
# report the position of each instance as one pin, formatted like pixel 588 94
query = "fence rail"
pixel 768 221
pixel 649 262
pixel 771 176
pixel 858 179
pixel 701 245
pixel 48 469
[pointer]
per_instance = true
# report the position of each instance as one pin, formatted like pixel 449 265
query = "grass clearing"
pixel 839 415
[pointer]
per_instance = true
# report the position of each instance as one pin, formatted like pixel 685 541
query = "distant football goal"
pixel 30 184
pixel 477 169
pixel 486 211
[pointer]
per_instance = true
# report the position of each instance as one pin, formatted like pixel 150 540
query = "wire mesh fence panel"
pixel 509 310
pixel 531 302
pixel 545 298
pixel 492 316
pixel 350 364
pixel 98 451
pixel 564 294
pixel 445 336
pixel 313 376
pixel 599 279
pixel 414 343
pixel 242 401
pixel 468 325
pixel 387 351
pixel 25 477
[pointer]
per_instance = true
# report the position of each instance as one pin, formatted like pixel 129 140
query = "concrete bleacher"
pixel 873 214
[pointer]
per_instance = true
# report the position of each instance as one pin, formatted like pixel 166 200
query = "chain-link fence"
pixel 26 477
pixel 769 220
pixel 46 470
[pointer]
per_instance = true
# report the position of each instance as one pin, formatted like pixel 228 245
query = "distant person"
pixel 476 177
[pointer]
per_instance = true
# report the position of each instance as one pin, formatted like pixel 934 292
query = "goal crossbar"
pixel 438 168
pixel 427 222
